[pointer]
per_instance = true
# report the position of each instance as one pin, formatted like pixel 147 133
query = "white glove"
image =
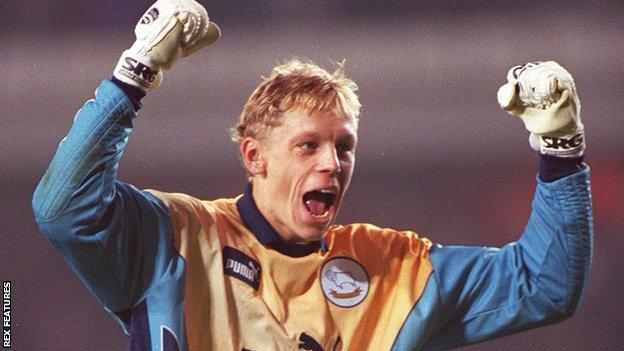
pixel 543 95
pixel 169 30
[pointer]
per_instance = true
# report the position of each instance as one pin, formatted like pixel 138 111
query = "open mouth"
pixel 319 202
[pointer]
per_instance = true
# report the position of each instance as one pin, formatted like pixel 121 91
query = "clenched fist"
pixel 169 30
pixel 544 96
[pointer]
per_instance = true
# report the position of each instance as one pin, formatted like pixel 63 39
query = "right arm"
pixel 115 237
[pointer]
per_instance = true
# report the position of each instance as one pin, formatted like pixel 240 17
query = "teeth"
pixel 321 216
pixel 327 191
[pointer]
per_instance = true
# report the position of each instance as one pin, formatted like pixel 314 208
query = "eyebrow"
pixel 348 138
pixel 313 134
pixel 305 135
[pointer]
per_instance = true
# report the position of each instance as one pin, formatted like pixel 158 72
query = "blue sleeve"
pixel 488 292
pixel 116 237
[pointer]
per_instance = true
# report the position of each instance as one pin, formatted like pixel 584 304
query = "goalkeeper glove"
pixel 169 30
pixel 543 95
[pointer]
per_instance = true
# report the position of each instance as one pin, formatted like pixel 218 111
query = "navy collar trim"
pixel 266 234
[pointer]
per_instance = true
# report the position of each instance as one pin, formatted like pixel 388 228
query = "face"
pixel 305 166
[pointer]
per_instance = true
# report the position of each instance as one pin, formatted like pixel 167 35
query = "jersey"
pixel 338 298
pixel 179 273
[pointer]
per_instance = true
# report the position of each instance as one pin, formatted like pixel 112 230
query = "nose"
pixel 329 161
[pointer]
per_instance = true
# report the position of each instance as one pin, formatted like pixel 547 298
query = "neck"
pixel 261 197
pixel 267 235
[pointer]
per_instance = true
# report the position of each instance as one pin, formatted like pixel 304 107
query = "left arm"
pixel 487 292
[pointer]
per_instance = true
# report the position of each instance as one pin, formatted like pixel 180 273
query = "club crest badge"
pixel 344 282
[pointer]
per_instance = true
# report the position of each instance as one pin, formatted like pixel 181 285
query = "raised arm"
pixel 108 231
pixel 489 292
pixel 538 280
pixel 116 237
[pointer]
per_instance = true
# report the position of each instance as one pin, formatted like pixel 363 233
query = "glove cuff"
pixel 138 70
pixel 552 168
pixel 571 145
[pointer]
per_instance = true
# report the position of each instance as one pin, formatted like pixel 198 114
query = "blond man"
pixel 269 269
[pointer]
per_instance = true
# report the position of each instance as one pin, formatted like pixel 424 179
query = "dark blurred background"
pixel 436 154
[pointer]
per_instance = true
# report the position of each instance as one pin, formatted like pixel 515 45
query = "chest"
pixel 242 296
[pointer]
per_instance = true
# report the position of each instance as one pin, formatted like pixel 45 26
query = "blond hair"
pixel 296 84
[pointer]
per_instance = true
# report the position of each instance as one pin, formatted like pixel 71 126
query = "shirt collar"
pixel 266 234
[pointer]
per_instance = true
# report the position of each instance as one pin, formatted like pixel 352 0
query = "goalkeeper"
pixel 269 269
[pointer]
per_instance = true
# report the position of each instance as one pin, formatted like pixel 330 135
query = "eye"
pixel 344 148
pixel 308 145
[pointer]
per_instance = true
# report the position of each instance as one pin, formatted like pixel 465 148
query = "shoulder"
pixel 186 207
pixel 198 222
pixel 371 237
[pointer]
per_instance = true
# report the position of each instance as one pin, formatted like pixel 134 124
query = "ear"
pixel 251 151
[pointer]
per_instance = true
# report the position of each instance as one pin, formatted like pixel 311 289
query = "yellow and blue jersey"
pixel 271 301
pixel 180 273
